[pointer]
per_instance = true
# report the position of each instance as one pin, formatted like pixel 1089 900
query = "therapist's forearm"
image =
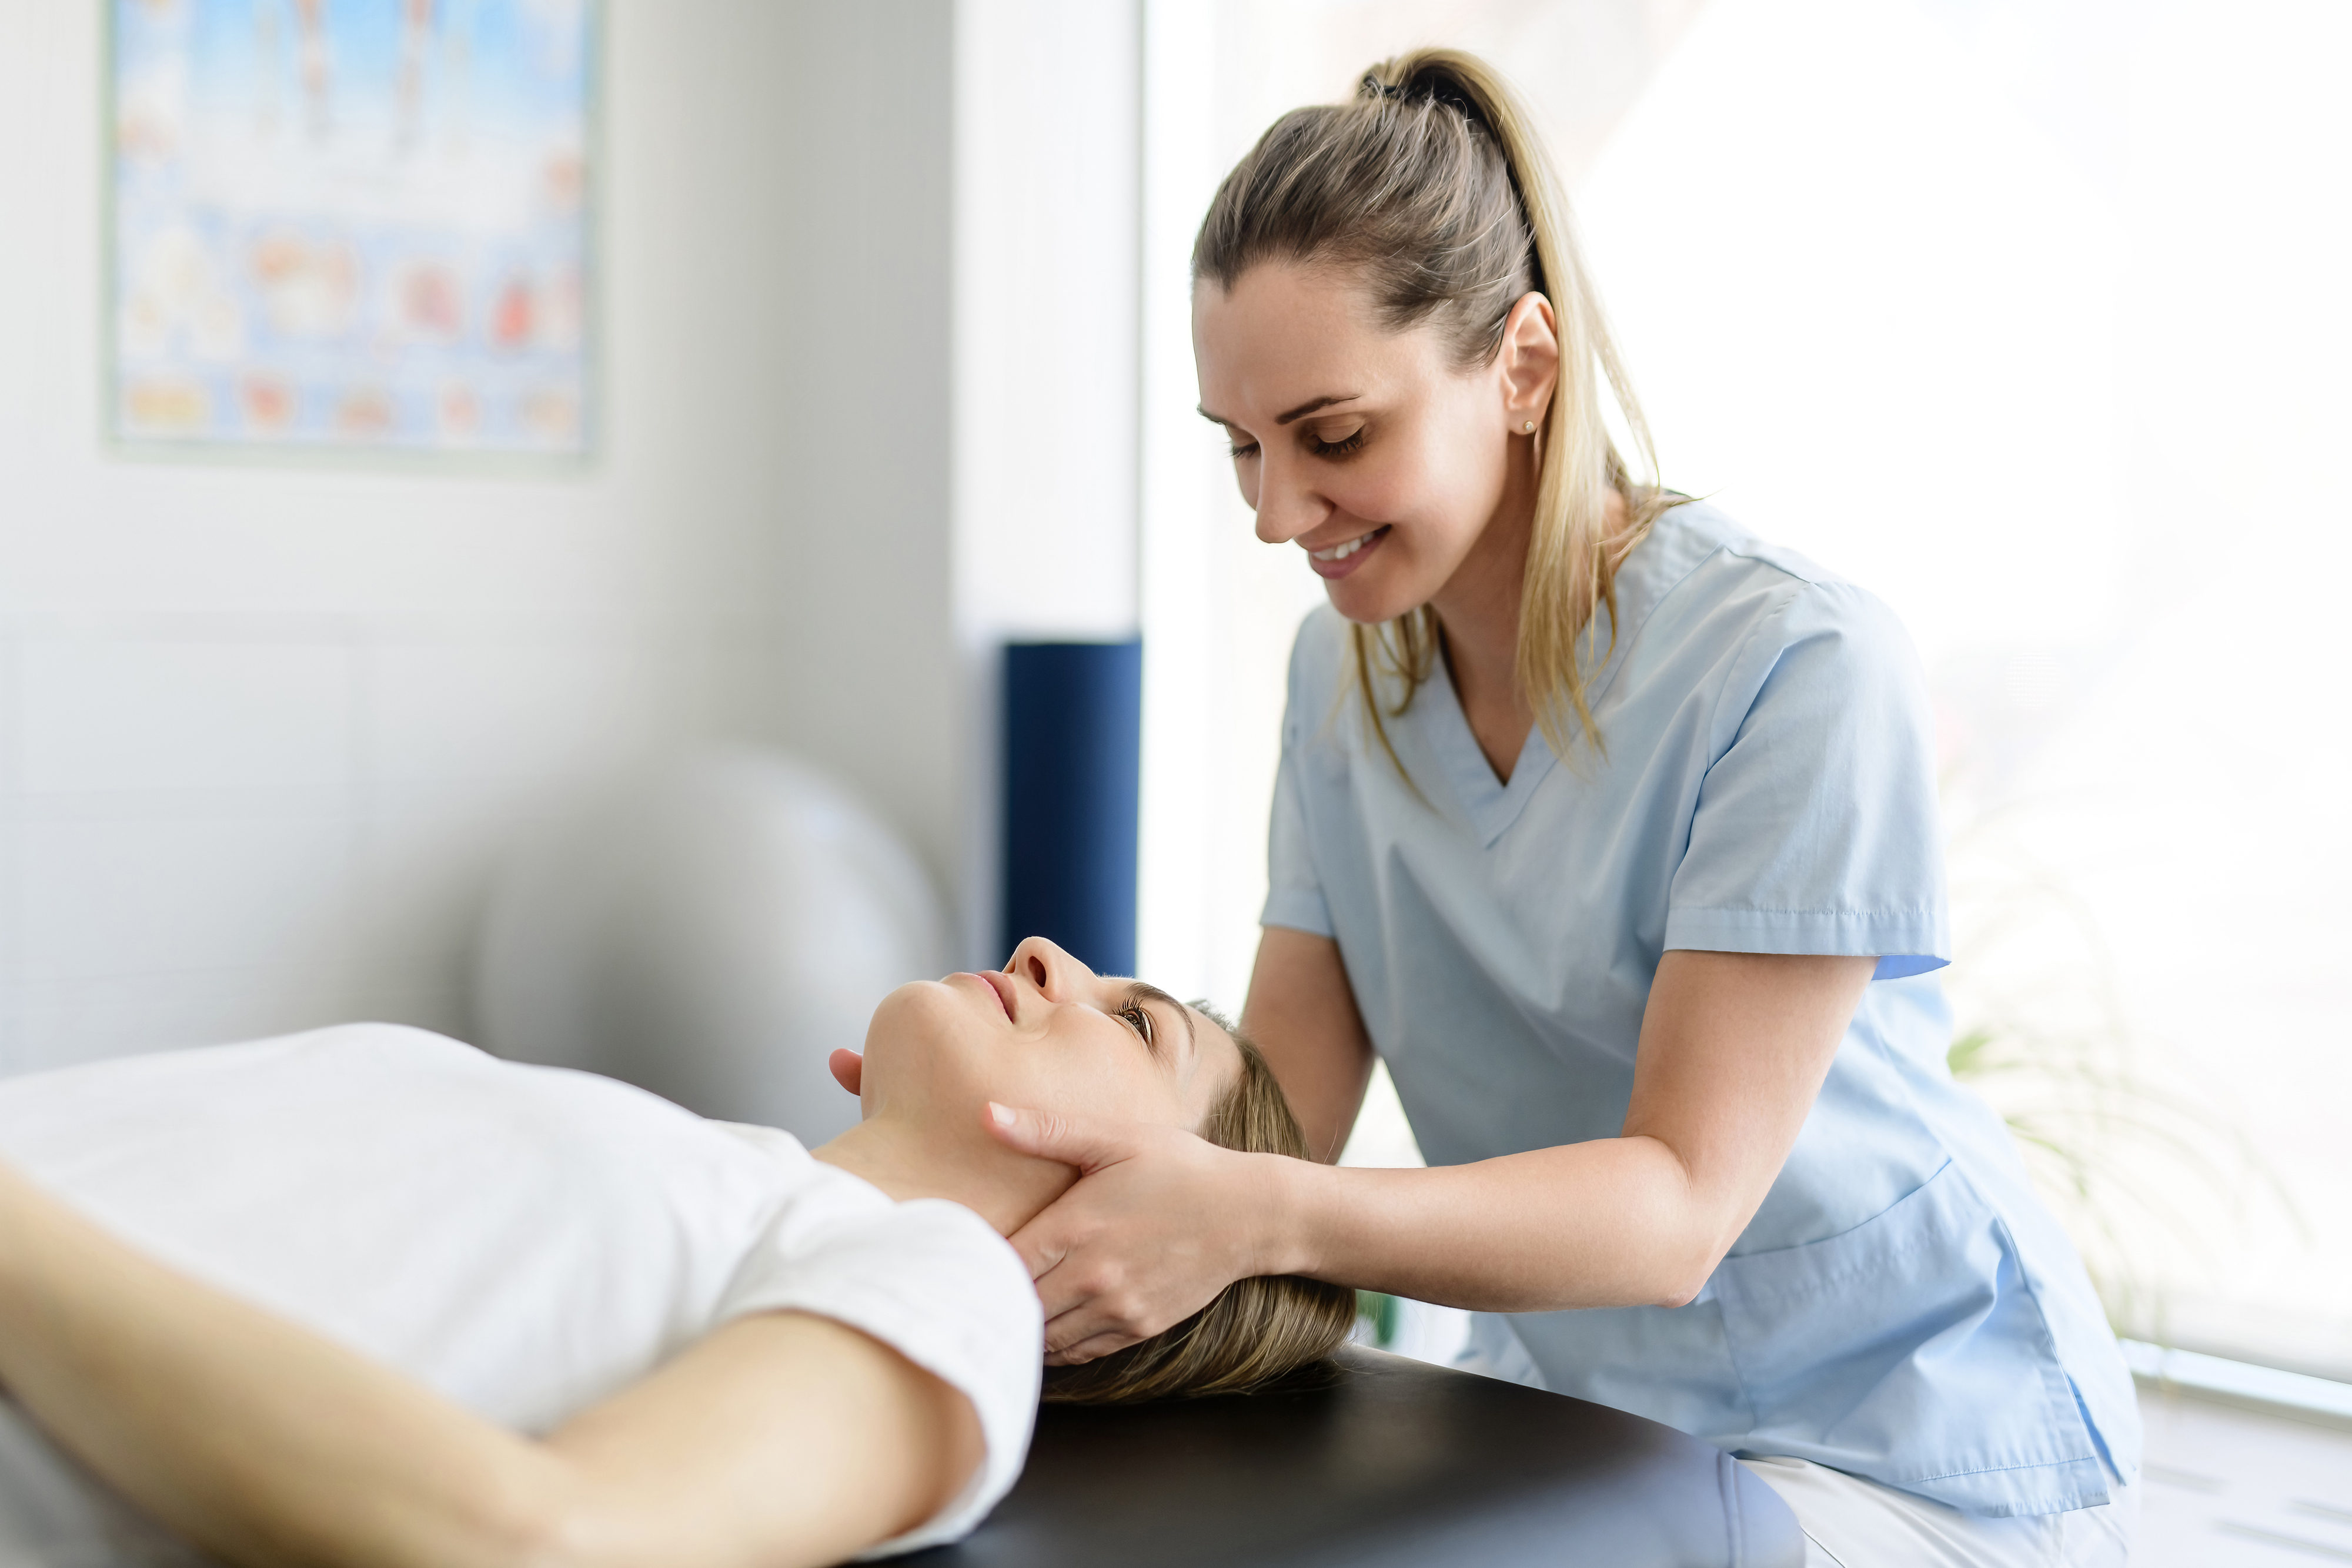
pixel 1610 1223
pixel 1734 1048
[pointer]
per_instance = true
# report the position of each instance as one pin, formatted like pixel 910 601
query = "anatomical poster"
pixel 354 224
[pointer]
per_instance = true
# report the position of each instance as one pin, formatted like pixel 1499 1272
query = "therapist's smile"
pixel 1340 559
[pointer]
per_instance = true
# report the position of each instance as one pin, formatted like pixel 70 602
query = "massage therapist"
pixel 1611 830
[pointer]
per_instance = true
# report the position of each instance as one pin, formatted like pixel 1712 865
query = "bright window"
pixel 2032 319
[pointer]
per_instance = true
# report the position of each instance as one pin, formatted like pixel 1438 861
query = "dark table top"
pixel 1376 1462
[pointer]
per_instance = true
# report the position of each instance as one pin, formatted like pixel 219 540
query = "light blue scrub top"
pixel 1901 1307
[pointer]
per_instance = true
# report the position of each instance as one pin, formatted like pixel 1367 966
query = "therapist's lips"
pixel 1340 556
pixel 1000 984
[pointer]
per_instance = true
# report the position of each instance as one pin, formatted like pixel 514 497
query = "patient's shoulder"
pixel 928 1279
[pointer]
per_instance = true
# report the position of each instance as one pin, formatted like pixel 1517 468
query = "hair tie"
pixel 1384 89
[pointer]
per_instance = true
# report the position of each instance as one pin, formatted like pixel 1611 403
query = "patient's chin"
pixel 922 1016
pixel 925 1054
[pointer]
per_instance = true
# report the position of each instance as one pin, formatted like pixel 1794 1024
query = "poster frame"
pixel 342 456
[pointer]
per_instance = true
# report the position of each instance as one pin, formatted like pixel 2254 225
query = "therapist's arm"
pixel 1733 1049
pixel 779 1439
pixel 1302 1014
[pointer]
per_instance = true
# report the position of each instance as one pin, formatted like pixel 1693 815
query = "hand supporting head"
pixel 1081 1055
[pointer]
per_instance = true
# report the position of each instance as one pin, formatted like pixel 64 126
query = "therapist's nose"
pixel 1044 966
pixel 1287 502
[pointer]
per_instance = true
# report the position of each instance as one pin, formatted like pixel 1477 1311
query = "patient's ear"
pixel 848 1069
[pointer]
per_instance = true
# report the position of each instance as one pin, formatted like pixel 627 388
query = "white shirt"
pixel 526 1240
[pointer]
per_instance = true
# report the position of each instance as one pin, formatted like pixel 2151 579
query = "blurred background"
pixel 876 358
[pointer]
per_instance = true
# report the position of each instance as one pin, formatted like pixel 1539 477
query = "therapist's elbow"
pixel 1683 1285
pixel 1681 1295
pixel 1686 1230
pixel 1686 1282
pixel 1670 1265
pixel 1690 1248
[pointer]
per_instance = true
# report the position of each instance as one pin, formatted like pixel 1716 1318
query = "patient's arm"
pixel 779 1439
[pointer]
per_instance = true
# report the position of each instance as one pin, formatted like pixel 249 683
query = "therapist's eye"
pixel 1351 442
pixel 1240 449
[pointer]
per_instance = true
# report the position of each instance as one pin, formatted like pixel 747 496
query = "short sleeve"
pixel 936 1284
pixel 1294 897
pixel 1293 893
pixel 1817 828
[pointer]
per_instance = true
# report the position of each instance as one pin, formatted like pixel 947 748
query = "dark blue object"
pixel 1073 760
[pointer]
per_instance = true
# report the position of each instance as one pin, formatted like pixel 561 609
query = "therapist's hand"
pixel 1159 1222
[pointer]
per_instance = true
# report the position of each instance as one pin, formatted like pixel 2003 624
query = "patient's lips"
pixel 1002 984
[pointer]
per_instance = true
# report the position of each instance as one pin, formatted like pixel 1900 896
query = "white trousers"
pixel 1849 1522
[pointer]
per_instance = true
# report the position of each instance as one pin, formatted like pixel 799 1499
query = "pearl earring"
pixel 1528 428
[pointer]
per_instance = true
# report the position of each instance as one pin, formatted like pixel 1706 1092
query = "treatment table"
pixel 1376 1462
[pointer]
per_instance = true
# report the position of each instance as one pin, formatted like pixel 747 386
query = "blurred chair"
pixel 710 930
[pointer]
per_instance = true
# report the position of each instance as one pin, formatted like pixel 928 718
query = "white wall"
pixel 263 729
pixel 1048 170
pixel 1048 123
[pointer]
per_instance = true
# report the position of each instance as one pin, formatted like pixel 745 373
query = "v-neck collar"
pixel 1657 566
pixel 1491 804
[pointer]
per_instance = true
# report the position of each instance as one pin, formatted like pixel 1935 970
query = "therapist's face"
pixel 1046 1034
pixel 1348 437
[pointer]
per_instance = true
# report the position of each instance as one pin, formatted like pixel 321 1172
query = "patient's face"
pixel 1046 1033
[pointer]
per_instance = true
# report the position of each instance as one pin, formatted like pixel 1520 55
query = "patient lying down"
pixel 368 1296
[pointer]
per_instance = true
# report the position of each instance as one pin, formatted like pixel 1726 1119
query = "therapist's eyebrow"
pixel 1140 992
pixel 1301 411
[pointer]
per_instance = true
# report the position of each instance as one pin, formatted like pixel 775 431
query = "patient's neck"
pixel 919 1158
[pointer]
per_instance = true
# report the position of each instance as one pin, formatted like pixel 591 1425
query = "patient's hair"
pixel 1257 1330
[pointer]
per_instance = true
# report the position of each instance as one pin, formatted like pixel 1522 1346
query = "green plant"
pixel 1379 1315
pixel 2132 1155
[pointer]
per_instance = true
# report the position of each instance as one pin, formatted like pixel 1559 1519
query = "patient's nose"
pixel 1044 966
